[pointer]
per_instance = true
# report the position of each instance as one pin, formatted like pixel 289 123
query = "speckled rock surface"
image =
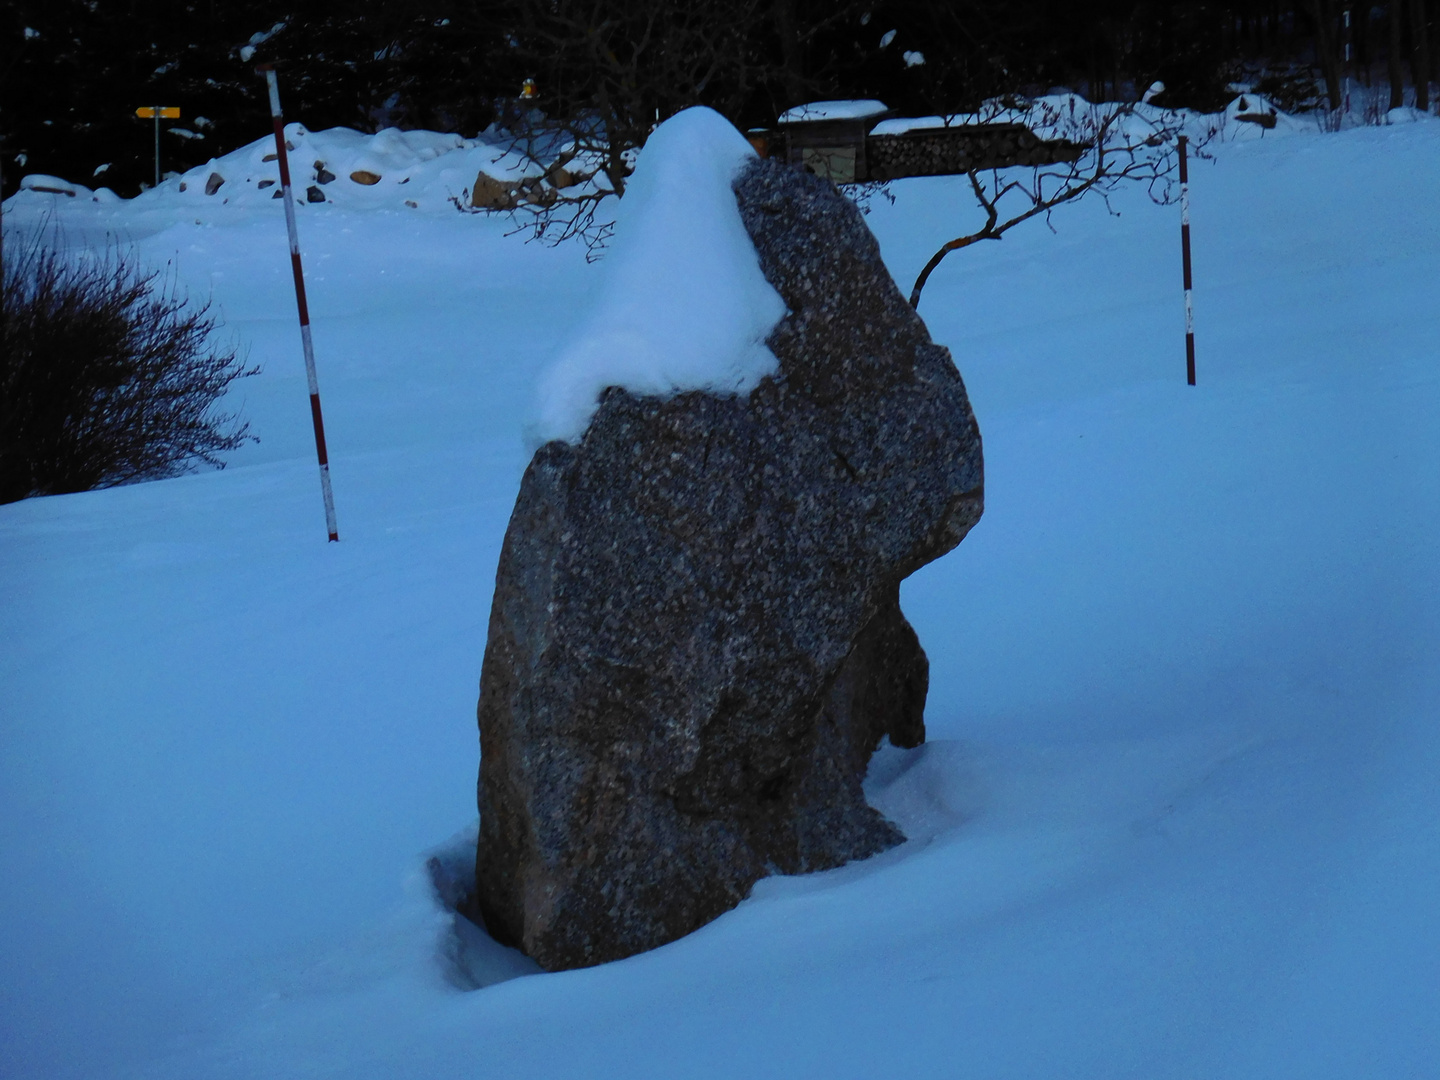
pixel 696 641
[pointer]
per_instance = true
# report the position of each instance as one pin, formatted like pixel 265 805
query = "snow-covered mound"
pixel 391 168
pixel 38 185
pixel 1405 115
pixel 682 304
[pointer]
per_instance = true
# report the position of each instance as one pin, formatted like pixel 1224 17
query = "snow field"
pixel 1177 817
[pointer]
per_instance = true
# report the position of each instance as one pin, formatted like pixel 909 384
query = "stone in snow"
pixel 695 642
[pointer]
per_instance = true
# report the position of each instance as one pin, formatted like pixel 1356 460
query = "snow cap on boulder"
pixel 682 304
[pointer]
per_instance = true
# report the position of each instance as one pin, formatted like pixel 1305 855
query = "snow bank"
pixel 1405 115
pixel 44 184
pixel 391 169
pixel 682 304
pixel 1070 116
pixel 1253 116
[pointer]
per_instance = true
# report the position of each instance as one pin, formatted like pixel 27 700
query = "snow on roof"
pixel 1069 116
pixel 682 304
pixel 51 185
pixel 833 110
pixel 901 124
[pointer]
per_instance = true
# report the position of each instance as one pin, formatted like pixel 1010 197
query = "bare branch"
pixel 607 70
pixel 1125 144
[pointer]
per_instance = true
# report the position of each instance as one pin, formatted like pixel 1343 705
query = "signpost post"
pixel 157 113
pixel 316 419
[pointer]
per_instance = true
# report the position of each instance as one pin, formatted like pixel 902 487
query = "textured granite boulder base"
pixel 696 640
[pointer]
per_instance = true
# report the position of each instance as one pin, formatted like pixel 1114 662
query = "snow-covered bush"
pixel 107 375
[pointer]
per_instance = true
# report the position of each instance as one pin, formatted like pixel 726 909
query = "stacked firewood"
pixel 943 151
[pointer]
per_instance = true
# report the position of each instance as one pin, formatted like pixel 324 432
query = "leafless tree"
pixel 1420 53
pixel 1124 145
pixel 1394 23
pixel 599 75
pixel 1327 47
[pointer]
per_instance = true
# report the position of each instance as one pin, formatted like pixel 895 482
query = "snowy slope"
pixel 1177 817
pixel 391 169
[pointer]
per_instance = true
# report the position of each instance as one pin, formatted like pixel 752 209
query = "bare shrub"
pixel 107 375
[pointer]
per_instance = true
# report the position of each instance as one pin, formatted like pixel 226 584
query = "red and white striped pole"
pixel 289 197
pixel 1185 260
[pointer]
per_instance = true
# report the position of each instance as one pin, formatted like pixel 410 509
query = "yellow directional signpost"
pixel 158 113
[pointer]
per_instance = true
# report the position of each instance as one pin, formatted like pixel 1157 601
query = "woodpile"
pixel 489 193
pixel 945 151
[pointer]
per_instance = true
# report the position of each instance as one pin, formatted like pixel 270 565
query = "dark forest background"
pixel 72 72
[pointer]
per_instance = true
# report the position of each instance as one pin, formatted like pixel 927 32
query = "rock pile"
pixel 696 642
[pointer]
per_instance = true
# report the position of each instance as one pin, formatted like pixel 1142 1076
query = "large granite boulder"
pixel 696 641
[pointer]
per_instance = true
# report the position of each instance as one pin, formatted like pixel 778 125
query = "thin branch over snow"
pixel 1125 144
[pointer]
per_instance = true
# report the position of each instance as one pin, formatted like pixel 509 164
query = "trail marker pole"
pixel 315 416
pixel 1185 260
pixel 158 112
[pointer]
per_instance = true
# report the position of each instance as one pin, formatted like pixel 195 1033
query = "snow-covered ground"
pixel 1178 816
pixel 390 169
